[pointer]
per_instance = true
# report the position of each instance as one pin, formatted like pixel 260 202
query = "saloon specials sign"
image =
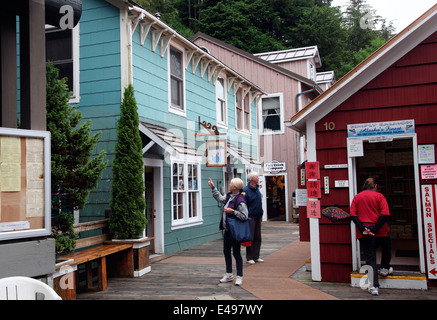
pixel 429 217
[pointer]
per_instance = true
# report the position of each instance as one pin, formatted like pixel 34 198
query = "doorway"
pixel 154 190
pixel 392 164
pixel 276 199
pixel 150 207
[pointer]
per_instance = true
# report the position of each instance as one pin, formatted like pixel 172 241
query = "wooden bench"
pixel 112 259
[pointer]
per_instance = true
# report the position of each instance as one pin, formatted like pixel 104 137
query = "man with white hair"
pixel 254 204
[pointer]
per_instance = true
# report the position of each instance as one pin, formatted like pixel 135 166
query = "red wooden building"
pixel 378 120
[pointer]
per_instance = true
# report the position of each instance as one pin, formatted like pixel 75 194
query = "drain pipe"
pixel 301 94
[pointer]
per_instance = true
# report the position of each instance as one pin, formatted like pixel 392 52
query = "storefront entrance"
pixel 392 163
pixel 276 197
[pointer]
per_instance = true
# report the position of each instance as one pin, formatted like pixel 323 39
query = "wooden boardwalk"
pixel 194 273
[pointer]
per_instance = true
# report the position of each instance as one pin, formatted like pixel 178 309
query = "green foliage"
pixel 73 171
pixel 268 25
pixel 63 232
pixel 127 218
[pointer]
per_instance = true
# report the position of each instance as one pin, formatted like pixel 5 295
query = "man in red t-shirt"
pixel 370 213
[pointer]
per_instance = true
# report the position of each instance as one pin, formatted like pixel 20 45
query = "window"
pixel 242 109
pixel 62 48
pixel 222 116
pixel 186 207
pixel 176 80
pixel 271 114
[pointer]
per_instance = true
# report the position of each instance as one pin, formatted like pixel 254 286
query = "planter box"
pixel 141 253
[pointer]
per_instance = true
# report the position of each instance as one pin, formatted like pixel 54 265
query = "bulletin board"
pixel 25 192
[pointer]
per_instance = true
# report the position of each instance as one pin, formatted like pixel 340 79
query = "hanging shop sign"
pixel 274 166
pixel 216 154
pixel 429 215
pixel 380 128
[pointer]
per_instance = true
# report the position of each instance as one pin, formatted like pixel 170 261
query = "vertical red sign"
pixel 313 209
pixel 312 170
pixel 429 218
pixel 313 189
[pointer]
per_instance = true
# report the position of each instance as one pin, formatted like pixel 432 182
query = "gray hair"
pixel 250 175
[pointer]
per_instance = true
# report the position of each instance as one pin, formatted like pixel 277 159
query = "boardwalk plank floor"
pixel 193 273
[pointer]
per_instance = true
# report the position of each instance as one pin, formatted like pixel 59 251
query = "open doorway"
pixel 276 192
pixel 150 207
pixel 392 164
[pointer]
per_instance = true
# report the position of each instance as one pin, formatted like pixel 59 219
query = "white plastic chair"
pixel 23 288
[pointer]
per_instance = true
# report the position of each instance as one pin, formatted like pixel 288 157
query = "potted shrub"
pixel 127 220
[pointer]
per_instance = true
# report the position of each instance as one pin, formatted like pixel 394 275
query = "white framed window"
pixel 185 194
pixel 242 111
pixel 272 114
pixel 312 72
pixel 62 49
pixel 176 76
pixel 221 105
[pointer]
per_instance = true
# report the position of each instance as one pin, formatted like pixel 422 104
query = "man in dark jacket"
pixel 254 204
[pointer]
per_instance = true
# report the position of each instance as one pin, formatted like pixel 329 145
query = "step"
pixel 397 280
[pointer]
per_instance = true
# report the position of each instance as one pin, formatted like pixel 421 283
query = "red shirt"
pixel 368 205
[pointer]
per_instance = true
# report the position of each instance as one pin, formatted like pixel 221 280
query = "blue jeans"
pixel 369 245
pixel 228 245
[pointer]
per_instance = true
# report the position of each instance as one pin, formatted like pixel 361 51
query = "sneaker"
pixel 228 277
pixel 239 281
pixel 259 260
pixel 373 291
pixel 385 272
pixel 251 261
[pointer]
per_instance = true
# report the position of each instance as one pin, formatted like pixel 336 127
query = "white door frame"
pixel 356 261
pixel 158 195
pixel 264 194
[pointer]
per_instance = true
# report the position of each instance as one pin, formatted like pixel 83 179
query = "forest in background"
pixel 344 36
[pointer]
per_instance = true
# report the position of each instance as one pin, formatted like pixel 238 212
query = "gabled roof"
pixel 293 75
pixel 370 68
pixel 292 55
pixel 325 77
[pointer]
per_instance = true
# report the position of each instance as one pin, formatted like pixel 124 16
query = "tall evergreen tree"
pixel 127 218
pixel 74 172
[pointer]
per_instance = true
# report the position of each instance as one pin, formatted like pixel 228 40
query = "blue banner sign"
pixel 380 128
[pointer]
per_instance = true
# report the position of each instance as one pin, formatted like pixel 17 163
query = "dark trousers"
pixel 228 245
pixel 369 246
pixel 252 252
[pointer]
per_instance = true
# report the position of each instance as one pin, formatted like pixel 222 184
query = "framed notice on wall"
pixel 25 192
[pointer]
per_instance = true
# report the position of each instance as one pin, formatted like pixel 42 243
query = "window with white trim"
pixel 62 49
pixel 185 193
pixel 272 115
pixel 222 112
pixel 242 110
pixel 176 81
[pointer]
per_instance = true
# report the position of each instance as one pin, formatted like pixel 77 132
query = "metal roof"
pixel 292 55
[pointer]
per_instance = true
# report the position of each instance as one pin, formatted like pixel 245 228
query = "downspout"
pixel 301 94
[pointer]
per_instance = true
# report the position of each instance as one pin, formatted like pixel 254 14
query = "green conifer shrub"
pixel 127 219
pixel 74 170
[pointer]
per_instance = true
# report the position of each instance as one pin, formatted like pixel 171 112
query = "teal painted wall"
pixel 100 97
pixel 150 76
pixel 100 92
